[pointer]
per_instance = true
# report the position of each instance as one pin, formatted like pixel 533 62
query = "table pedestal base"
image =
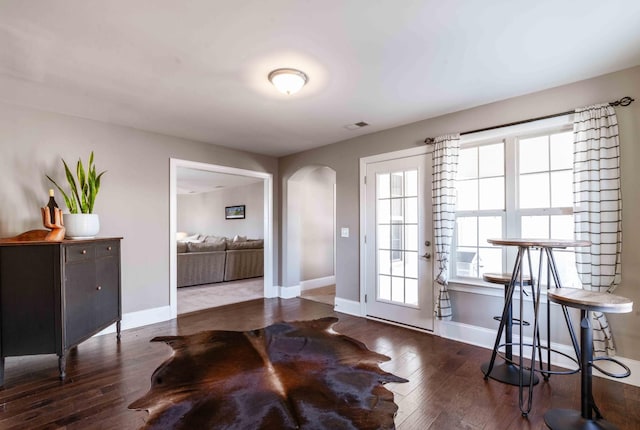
pixel 508 373
pixel 569 419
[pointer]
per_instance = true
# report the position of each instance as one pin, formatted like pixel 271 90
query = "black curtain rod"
pixel 625 101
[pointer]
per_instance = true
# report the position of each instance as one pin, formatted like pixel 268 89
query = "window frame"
pixel 511 214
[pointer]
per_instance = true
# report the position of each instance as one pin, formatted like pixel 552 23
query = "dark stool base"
pixel 509 374
pixel 569 419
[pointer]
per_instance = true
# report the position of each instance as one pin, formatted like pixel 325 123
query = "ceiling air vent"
pixel 356 126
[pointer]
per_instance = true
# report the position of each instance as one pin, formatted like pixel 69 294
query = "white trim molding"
pixel 310 284
pixel 349 307
pixel 140 318
pixel 485 338
pixel 289 292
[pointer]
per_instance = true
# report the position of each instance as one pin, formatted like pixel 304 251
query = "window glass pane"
pixel 397 180
pixel 384 211
pixel 467 231
pixel 467 195
pixel 534 191
pixel 491 193
pixel 491 161
pixel 411 264
pixel 535 227
pixel 534 154
pixel 397 289
pixel 411 210
pixel 411 237
pixel 411 291
pixel 466 264
pixel 561 148
pixel 489 227
pixel 396 210
pixel 397 236
pixel 490 260
pixel 384 287
pixel 384 262
pixel 468 163
pixel 397 263
pixel 562 189
pixel 384 237
pixel 411 183
pixel 562 227
pixel 383 185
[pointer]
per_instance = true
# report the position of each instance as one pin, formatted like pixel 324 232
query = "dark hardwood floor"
pixel 446 388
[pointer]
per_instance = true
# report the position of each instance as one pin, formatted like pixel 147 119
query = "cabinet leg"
pixel 62 366
pixel 118 330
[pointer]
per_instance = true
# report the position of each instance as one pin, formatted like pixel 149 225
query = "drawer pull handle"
pixel 108 248
pixel 84 251
pixel 99 287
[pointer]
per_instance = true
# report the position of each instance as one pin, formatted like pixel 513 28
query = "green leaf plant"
pixel 83 192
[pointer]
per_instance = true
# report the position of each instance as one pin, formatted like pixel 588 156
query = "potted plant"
pixel 81 222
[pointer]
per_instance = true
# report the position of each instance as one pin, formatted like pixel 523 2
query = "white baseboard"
pixel 348 307
pixel 310 284
pixel 485 338
pixel 140 318
pixel 289 292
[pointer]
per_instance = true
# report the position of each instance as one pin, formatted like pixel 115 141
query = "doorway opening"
pixel 309 255
pixel 199 196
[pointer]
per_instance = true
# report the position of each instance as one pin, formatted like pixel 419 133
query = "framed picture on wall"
pixel 234 212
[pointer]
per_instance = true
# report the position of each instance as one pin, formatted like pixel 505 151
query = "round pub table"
pixel 518 276
pixel 589 417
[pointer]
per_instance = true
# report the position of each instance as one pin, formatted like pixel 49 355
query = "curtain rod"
pixel 625 101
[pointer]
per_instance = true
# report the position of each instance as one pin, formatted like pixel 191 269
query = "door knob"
pixel 427 255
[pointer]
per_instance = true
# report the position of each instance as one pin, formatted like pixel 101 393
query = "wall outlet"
pixel 344 232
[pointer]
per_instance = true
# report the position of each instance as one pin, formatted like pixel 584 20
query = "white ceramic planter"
pixel 81 226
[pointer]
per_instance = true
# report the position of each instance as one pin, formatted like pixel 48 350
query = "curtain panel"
pixel 445 168
pixel 598 209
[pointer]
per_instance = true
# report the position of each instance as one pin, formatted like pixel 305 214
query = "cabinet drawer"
pixel 80 252
pixel 107 249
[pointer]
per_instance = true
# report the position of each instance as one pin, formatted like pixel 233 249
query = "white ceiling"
pixel 198 68
pixel 195 181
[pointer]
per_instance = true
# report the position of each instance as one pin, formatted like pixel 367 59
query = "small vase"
pixel 81 226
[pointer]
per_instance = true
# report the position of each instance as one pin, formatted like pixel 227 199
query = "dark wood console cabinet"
pixel 54 295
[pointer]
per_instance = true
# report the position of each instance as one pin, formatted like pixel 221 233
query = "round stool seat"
pixel 503 278
pixel 589 416
pixel 590 300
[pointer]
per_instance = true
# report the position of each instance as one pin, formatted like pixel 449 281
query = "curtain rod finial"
pixel 429 141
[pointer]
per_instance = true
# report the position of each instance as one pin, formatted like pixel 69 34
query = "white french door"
pixel 399 272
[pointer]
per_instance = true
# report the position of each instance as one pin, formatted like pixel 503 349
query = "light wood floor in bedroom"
pixel 446 388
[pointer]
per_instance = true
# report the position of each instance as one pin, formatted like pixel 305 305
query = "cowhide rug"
pixel 297 375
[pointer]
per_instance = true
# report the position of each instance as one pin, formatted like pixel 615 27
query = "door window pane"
pixel 411 264
pixel 384 287
pixel 411 183
pixel 383 186
pixel 397 289
pixel 411 291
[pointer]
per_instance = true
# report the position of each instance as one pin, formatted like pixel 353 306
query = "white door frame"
pixel 267 179
pixel 420 150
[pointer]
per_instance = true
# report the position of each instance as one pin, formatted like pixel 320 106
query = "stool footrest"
pixel 613 375
pixel 514 321
pixel 513 361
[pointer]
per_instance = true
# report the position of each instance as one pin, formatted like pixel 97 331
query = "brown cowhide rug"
pixel 290 375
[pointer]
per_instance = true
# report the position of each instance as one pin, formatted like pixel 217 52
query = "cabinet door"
pixel 79 292
pixel 107 308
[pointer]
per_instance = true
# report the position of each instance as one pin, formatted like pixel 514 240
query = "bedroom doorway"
pixel 194 185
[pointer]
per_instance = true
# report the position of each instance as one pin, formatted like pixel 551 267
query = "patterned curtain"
pixel 597 209
pixel 445 167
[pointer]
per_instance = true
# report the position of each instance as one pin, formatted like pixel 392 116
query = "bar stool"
pixel 507 372
pixel 587 302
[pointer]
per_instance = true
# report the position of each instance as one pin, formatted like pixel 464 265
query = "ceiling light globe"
pixel 288 81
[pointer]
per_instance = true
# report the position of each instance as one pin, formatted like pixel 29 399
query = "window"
pixel 513 186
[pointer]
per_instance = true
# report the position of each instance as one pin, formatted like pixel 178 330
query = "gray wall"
pixel 344 156
pixel 134 199
pixel 204 212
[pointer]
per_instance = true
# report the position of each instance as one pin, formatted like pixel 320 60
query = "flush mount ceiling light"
pixel 288 81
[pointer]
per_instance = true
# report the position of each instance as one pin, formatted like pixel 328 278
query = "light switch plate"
pixel 344 232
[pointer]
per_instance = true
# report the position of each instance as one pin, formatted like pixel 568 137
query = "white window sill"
pixel 477 286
